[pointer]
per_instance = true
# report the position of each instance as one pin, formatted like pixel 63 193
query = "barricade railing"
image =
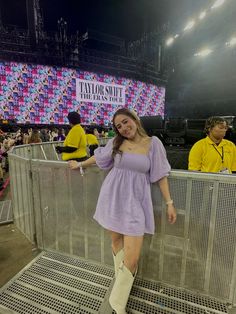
pixel 42 151
pixel 54 206
pixel 46 150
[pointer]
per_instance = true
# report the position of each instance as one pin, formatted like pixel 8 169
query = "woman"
pixel 34 137
pixel 125 206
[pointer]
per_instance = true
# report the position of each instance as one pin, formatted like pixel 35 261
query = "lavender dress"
pixel 125 204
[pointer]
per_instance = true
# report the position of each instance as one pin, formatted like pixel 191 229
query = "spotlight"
pixel 232 42
pixel 176 36
pixel 169 41
pixel 189 25
pixel 217 3
pixel 203 53
pixel 202 15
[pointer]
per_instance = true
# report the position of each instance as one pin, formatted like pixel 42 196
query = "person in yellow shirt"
pixel 74 146
pixel 92 141
pixel 213 153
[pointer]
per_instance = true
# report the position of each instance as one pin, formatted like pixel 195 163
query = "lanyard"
pixel 221 155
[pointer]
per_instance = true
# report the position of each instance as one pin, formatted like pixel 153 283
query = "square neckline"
pixel 148 152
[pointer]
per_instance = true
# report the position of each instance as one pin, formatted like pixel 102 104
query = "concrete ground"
pixel 15 249
pixel 15 252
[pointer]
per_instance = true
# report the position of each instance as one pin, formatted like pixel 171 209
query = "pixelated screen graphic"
pixel 41 94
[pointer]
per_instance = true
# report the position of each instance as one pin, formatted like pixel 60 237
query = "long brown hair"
pixel 34 137
pixel 119 139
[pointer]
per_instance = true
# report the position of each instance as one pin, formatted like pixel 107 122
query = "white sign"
pixel 104 93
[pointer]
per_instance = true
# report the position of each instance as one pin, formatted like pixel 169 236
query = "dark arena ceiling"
pixel 122 18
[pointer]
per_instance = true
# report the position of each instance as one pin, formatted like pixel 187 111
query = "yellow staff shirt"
pixel 75 138
pixel 91 139
pixel 206 156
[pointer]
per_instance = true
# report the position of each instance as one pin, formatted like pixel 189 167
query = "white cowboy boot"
pixel 105 306
pixel 118 258
pixel 121 289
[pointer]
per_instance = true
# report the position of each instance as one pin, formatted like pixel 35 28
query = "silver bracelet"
pixel 169 202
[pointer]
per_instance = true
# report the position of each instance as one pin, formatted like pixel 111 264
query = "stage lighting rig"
pixel 217 4
pixel 202 15
pixel 169 41
pixel 232 42
pixel 189 25
pixel 203 53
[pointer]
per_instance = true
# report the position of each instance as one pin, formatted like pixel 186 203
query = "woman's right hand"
pixel 171 213
pixel 73 164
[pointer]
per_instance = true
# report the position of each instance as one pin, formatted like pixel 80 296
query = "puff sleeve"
pixel 160 166
pixel 103 156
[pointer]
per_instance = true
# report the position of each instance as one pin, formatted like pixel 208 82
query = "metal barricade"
pixel 21 194
pixel 197 253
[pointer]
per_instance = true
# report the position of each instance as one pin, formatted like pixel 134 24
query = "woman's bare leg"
pixel 132 249
pixel 117 240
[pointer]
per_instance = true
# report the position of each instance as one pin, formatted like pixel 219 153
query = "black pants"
pixel 79 159
pixel 92 149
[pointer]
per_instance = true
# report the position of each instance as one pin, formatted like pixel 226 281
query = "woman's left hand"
pixel 171 212
pixel 73 164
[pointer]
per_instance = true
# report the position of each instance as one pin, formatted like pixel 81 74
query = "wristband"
pixel 169 202
pixel 81 168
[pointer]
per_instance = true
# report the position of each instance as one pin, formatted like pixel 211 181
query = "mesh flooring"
pixel 56 283
pixel 6 215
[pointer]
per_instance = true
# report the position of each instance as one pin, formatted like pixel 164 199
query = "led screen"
pixel 44 95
